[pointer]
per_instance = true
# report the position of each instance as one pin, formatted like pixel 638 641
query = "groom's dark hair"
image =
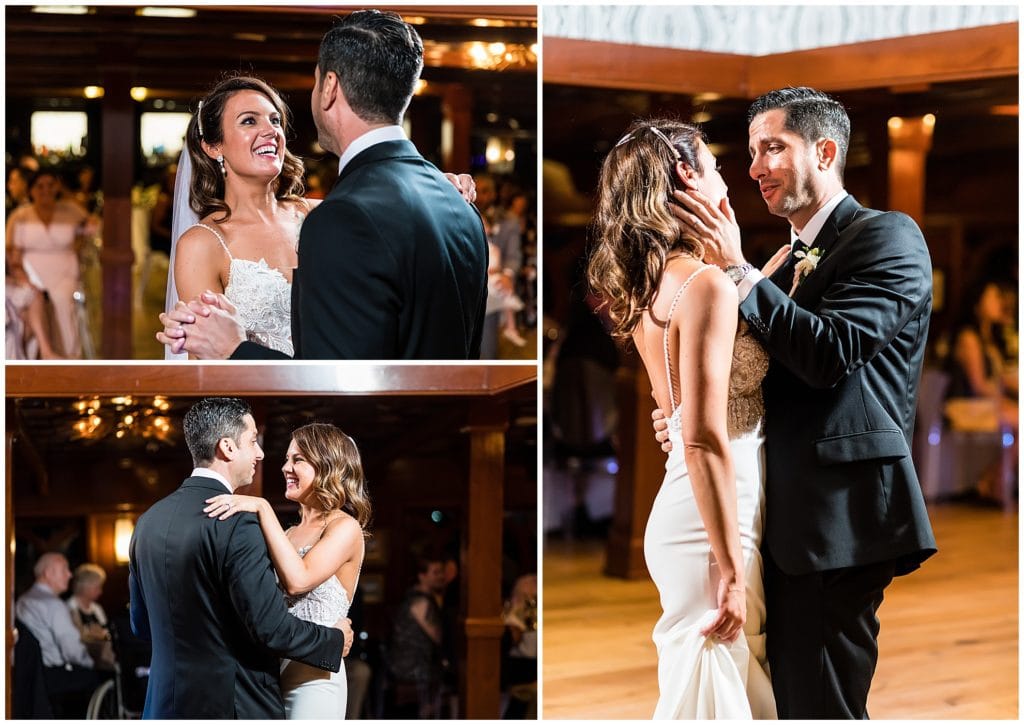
pixel 377 57
pixel 811 114
pixel 208 421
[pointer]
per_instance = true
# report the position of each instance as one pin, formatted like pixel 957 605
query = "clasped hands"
pixel 207 327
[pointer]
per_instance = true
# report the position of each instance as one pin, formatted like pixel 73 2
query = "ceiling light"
pixel 163 12
pixel 139 93
pixel 93 92
pixel 61 9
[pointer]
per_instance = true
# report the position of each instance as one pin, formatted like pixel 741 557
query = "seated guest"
pixel 88 615
pixel 68 669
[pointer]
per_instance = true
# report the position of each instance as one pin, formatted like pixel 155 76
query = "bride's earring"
pixel 223 169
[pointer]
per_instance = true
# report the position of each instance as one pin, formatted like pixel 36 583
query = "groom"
pixel 844 508
pixel 393 263
pixel 204 593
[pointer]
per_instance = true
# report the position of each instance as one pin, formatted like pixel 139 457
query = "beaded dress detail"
pixel 263 297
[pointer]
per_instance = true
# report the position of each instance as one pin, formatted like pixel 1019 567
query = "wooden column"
pixel 457 109
pixel 9 574
pixel 479 677
pixel 641 470
pixel 910 139
pixel 119 139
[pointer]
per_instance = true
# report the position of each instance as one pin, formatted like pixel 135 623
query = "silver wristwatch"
pixel 737 272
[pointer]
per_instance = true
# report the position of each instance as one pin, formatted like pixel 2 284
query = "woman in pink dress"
pixel 45 237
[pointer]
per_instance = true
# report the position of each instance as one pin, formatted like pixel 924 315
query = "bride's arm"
pixel 197 264
pixel 297 574
pixel 707 335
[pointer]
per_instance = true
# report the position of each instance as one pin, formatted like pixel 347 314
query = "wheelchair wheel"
pixel 103 703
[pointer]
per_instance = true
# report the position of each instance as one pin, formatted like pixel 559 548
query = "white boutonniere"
pixel 808 262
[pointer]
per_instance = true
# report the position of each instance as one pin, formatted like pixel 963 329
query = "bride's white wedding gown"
pixel 701 677
pixel 263 297
pixel 311 693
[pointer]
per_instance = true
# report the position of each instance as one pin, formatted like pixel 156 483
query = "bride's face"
pixel 710 183
pixel 298 475
pixel 253 136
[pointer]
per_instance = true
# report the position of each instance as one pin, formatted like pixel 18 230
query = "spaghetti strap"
pixel 668 325
pixel 216 234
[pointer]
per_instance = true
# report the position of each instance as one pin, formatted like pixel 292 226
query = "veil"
pixel 182 217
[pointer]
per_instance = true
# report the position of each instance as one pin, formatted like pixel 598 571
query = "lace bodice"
pixel 324 605
pixel 749 366
pixel 263 297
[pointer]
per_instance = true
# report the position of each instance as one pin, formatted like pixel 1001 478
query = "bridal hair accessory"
pixel 656 132
pixel 199 118
pixel 223 169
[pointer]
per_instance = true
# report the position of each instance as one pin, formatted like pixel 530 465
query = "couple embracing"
pixel 237 609
pixel 786 403
pixel 392 264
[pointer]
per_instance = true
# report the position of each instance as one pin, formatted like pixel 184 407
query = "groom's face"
pixel 783 164
pixel 323 137
pixel 248 454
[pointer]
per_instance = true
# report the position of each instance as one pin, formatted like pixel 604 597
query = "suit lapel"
pixel 829 241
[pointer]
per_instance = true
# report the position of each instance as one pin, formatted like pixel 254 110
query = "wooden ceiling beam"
pixel 598 64
pixel 986 52
pixel 62 381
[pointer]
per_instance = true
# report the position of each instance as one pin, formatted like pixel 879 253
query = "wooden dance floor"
pixel 948 645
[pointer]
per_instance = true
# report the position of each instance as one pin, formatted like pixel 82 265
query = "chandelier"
pixel 123 417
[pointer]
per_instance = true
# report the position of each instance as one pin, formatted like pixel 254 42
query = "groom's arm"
pixel 883 282
pixel 259 603
pixel 254 351
pixel 138 615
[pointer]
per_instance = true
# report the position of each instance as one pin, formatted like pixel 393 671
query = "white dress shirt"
pixel 49 620
pixel 368 139
pixel 208 473
pixel 807 235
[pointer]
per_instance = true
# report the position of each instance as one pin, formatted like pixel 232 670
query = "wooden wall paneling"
pixel 480 678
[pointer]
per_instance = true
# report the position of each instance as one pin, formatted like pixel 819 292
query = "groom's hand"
pixel 216 330
pixel 661 429
pixel 345 625
pixel 714 226
pixel 464 184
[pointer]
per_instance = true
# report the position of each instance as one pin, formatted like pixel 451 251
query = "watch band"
pixel 737 272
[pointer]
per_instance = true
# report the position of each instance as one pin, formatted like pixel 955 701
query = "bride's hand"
pixel 464 184
pixel 732 612
pixel 226 505
pixel 777 260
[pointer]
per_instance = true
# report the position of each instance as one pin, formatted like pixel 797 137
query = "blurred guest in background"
pixel 46 237
pixel 88 614
pixel 505 233
pixel 519 649
pixel 17 188
pixel 416 640
pixel 29 335
pixel 68 669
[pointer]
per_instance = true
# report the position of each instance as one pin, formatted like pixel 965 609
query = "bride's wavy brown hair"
pixel 634 230
pixel 206 195
pixel 338 481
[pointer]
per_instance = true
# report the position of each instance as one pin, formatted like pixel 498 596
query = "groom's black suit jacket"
pixel 841 393
pixel 392 265
pixel 204 593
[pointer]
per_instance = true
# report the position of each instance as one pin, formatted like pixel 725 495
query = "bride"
pixel 317 561
pixel 238 208
pixel 664 292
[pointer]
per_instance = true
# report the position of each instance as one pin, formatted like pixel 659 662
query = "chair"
pixel 28 685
